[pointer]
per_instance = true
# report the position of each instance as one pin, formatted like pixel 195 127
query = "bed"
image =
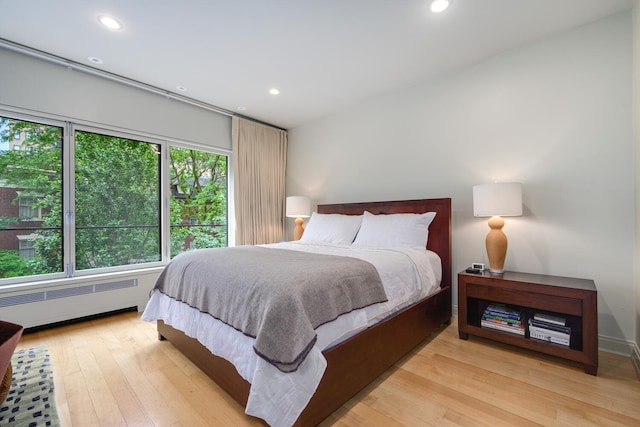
pixel 356 361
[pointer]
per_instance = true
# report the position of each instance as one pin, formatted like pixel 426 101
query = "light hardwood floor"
pixel 114 372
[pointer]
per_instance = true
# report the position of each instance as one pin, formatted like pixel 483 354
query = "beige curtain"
pixel 259 165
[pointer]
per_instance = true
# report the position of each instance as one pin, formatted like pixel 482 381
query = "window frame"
pixel 54 122
pixel 71 215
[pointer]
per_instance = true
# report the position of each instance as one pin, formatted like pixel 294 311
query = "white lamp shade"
pixel 499 199
pixel 298 207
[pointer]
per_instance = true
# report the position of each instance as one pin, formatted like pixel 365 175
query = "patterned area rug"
pixel 30 402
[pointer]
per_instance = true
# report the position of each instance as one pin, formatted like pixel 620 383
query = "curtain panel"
pixel 259 166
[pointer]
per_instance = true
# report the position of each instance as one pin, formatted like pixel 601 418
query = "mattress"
pixel 408 275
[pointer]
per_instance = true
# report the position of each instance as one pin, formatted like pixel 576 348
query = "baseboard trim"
pixel 616 346
pixel 79 319
pixel 635 358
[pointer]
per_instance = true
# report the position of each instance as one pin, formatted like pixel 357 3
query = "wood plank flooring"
pixel 113 371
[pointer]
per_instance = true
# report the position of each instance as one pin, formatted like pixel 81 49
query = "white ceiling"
pixel 323 55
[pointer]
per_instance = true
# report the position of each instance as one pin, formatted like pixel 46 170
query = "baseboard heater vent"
pixel 68 292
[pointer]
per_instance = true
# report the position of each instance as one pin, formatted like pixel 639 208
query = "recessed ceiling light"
pixel 95 60
pixel 438 6
pixel 181 88
pixel 109 22
pixel 274 91
pixel 242 108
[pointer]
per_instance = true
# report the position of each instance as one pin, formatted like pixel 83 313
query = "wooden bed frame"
pixel 356 362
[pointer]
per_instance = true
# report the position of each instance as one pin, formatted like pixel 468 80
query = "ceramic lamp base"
pixel 298 230
pixel 496 243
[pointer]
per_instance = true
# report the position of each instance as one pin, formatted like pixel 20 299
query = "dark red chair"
pixel 10 334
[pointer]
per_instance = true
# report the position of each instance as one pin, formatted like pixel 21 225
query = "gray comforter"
pixel 276 296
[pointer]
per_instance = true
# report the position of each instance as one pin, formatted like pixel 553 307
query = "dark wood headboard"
pixel 439 230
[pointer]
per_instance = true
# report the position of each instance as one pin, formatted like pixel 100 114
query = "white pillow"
pixel 395 230
pixel 331 228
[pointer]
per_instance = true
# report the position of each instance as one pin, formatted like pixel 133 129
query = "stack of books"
pixel 550 328
pixel 503 318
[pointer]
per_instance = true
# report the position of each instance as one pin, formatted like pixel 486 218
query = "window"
pixel 76 199
pixel 23 175
pixel 28 208
pixel 117 201
pixel 26 246
pixel 198 183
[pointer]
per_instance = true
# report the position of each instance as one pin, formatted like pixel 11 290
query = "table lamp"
pixel 495 201
pixel 298 207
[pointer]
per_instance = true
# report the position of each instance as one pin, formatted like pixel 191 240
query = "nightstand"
pixel 575 300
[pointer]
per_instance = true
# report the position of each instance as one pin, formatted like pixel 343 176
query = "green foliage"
pixel 11 265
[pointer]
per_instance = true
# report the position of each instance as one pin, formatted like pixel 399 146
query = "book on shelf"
pixel 503 311
pixel 549 335
pixel 543 317
pixel 502 320
pixel 514 329
pixel 550 326
pixel 502 317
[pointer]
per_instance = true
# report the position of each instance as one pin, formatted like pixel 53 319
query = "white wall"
pixel 554 115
